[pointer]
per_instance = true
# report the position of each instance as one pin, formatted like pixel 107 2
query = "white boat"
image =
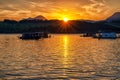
pixel 106 35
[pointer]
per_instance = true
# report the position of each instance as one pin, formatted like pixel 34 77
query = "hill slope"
pixel 114 17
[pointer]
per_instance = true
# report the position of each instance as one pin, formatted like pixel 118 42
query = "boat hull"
pixel 104 37
pixel 29 38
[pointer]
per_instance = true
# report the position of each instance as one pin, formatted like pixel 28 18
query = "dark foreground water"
pixel 62 57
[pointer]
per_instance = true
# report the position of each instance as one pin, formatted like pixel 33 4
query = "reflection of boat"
pixel 35 35
pixel 106 35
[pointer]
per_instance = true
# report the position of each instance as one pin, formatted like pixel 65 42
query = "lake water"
pixel 59 57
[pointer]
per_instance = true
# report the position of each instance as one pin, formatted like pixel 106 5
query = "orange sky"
pixel 58 9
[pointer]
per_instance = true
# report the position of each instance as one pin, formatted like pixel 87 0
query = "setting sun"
pixel 65 19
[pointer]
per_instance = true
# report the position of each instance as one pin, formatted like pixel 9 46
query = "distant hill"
pixel 114 17
pixel 40 17
pixel 114 20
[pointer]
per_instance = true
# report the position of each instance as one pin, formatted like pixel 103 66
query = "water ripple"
pixel 60 57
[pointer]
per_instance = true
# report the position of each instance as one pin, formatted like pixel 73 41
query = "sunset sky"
pixel 58 9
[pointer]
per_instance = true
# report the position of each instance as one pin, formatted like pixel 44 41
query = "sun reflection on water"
pixel 66 54
pixel 65 44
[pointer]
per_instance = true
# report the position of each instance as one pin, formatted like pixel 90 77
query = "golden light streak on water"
pixel 65 40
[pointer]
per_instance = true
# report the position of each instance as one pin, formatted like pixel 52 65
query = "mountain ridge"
pixel 39 17
pixel 114 17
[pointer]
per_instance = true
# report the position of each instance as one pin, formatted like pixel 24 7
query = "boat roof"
pixel 32 32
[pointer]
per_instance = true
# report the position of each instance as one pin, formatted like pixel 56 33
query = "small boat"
pixel 87 34
pixel 106 35
pixel 34 36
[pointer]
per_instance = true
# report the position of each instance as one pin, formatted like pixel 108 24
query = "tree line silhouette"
pixel 55 26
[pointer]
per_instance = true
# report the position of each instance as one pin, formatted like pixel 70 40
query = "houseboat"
pixel 34 35
pixel 106 35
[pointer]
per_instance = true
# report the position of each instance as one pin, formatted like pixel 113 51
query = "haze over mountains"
pixel 114 17
pixel 110 20
pixel 39 17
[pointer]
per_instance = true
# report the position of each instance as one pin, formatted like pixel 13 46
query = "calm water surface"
pixel 59 57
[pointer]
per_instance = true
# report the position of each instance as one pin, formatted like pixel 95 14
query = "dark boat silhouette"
pixel 34 35
pixel 87 34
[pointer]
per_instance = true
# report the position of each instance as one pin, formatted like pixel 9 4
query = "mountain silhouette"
pixel 114 17
pixel 40 23
pixel 40 17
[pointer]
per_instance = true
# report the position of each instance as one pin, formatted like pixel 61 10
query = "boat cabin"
pixel 111 35
pixel 35 35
